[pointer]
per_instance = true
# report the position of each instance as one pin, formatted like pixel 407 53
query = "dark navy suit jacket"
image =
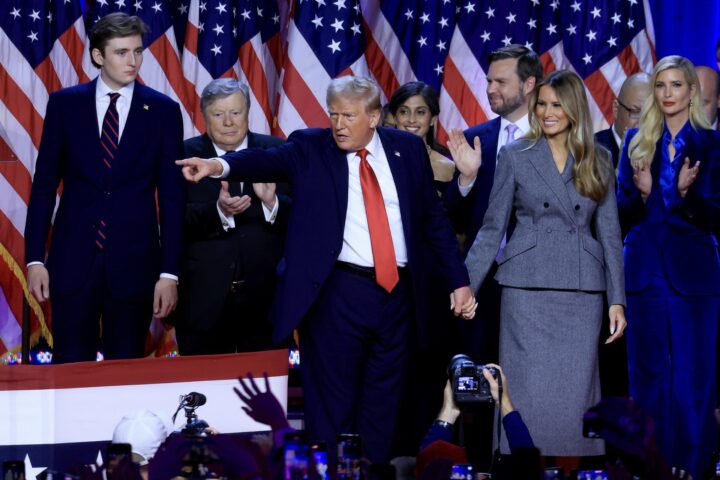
pixel 680 237
pixel 606 138
pixel 318 172
pixel 467 213
pixel 136 250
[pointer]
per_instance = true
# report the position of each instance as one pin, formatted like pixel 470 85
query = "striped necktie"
pixel 109 137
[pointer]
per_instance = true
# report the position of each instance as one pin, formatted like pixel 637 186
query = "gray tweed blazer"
pixel 562 240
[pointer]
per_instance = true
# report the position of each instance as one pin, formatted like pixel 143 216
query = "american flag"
pixel 288 51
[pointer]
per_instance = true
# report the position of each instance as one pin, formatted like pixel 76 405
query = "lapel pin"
pixel 397 154
pixel 146 107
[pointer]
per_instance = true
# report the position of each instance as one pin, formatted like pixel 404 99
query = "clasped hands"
pixel 235 205
pixel 463 303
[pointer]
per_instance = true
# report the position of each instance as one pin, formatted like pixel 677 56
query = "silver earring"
pixel 691 103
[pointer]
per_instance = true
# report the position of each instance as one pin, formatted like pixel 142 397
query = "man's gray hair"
pixel 355 87
pixel 223 88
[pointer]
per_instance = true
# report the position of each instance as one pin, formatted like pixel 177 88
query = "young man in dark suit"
pixel 234 235
pixel 626 110
pixel 112 143
pixel 365 213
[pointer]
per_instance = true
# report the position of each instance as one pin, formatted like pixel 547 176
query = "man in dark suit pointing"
pixel 234 237
pixel 365 213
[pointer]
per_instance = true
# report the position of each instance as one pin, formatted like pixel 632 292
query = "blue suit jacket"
pixel 318 171
pixel 136 251
pixel 679 237
pixel 467 213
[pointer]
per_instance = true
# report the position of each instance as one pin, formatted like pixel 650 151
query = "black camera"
pixel 467 380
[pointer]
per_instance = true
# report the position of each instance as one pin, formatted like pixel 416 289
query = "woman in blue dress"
pixel 669 204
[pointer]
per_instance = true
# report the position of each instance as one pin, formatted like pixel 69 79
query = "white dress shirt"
pixel 356 247
pixel 523 127
pixel 102 103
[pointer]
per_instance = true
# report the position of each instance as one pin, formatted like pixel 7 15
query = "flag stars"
pixel 339 4
pixel 529 45
pixel 103 3
pixel 234 30
pixel 138 5
pixel 317 21
pixel 15 12
pixel 120 3
pixel 334 46
pixel 320 2
pixel 631 23
pixel 596 12
pixel 576 6
pixel 612 42
pixel 555 5
pixel 183 9
pixel 632 2
pixel 490 12
pixel 201 27
pixel 444 22
pixel 259 12
pixel 422 41
pixel 507 40
pixel 552 28
pixel 221 8
pixel 535 2
pixel 33 36
pixel 35 15
pixel 485 36
pixel 337 25
pixel 616 18
pixel 441 46
pixel 217 50
pixel 356 29
pixel 532 23
pixel 157 7
pixel 276 19
pixel 218 29
pixel 246 14
pixel 50 17
pixel 572 29
pixel 203 6
pixel 438 69
pixel 591 35
pixel 425 17
pixel 470 7
pixel 511 17
pixel 409 14
pixel 587 58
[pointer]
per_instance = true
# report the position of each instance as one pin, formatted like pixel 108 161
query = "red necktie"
pixel 386 272
pixel 109 138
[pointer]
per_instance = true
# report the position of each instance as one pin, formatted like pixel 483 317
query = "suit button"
pixel 577 207
pixel 549 230
pixel 107 194
pixel 546 205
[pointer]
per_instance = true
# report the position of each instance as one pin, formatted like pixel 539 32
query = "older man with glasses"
pixel 626 109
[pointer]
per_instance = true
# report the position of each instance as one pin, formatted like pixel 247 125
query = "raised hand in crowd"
pixel 232 205
pixel 687 176
pixel 467 159
pixel 195 169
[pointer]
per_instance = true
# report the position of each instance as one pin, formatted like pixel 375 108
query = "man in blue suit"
pixel 112 143
pixel 365 214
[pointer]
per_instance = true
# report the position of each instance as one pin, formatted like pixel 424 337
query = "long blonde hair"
pixel 590 170
pixel 652 120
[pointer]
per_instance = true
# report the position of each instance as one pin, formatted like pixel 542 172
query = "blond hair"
pixel 590 170
pixel 652 120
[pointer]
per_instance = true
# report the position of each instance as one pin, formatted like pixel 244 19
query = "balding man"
pixel 626 110
pixel 710 93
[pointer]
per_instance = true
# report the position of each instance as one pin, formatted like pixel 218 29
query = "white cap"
pixel 145 431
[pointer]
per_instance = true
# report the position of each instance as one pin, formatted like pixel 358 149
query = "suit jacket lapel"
pixel 88 122
pixel 336 161
pixel 541 158
pixel 490 145
pixel 397 165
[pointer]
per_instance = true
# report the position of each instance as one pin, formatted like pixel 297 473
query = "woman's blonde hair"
pixel 652 120
pixel 590 170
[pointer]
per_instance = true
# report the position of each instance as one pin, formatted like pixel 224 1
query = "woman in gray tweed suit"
pixel 563 254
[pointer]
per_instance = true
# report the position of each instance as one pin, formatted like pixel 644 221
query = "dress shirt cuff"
pixel 464 190
pixel 169 276
pixel 225 167
pixel 271 215
pixel 227 222
pixel 30 264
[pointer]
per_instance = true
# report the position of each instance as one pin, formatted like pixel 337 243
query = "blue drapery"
pixel 690 28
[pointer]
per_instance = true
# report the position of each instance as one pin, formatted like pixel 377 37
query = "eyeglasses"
pixel 633 113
